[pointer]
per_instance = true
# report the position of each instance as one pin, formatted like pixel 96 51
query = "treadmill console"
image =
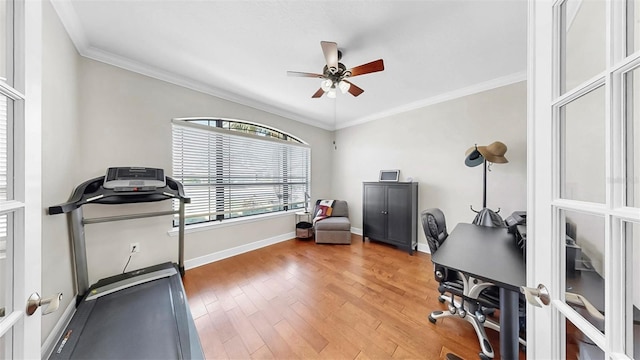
pixel 134 179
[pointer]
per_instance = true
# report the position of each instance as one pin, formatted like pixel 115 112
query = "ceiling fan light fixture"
pixel 344 86
pixel 326 85
pixel 335 73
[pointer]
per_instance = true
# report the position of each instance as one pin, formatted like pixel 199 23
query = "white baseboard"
pixel 424 248
pixel 48 346
pixel 357 231
pixel 213 257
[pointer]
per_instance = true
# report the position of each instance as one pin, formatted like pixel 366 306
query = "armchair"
pixel 335 229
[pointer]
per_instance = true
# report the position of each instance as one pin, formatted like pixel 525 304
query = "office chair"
pixel 468 300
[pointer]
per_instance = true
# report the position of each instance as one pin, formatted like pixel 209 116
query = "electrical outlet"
pixel 134 248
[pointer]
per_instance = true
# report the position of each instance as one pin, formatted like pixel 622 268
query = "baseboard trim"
pixel 48 346
pixel 220 255
pixel 424 248
pixel 357 231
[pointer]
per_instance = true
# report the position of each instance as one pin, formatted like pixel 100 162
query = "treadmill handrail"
pixel 92 191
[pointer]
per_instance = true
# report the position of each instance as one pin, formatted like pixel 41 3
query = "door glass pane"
pixel 579 346
pixel 585 265
pixel 6 270
pixel 632 232
pixel 633 26
pixel 6 192
pixel 6 345
pixel 632 87
pixel 3 40
pixel 583 148
pixel 584 42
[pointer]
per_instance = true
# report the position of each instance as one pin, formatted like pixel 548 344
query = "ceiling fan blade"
pixel 353 89
pixel 304 74
pixel 318 93
pixel 330 50
pixel 374 66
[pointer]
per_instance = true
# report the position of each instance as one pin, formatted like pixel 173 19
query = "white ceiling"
pixel 241 50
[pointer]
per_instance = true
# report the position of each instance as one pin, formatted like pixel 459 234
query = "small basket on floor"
pixel 304 230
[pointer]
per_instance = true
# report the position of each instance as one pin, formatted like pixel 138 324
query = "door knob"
pixel 34 302
pixel 536 297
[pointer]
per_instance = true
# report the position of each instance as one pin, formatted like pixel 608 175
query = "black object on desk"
pixel 489 253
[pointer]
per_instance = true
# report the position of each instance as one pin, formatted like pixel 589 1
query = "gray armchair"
pixel 335 229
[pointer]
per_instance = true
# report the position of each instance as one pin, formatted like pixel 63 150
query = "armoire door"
pixel 399 215
pixel 375 219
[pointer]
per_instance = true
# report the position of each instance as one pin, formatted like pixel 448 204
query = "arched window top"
pixel 246 127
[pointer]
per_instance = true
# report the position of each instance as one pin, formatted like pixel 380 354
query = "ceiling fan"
pixel 335 74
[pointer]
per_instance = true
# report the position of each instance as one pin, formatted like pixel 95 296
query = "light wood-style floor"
pixel 301 300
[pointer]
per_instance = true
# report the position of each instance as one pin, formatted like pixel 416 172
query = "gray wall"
pixel 429 145
pixel 126 120
pixel 61 149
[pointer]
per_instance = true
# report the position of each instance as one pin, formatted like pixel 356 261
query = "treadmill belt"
pixel 134 323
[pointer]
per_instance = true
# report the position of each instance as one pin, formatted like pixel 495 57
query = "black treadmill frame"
pixel 92 192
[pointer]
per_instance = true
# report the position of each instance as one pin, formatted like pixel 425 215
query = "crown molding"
pixel 470 90
pixel 156 73
pixel 72 25
pixel 69 19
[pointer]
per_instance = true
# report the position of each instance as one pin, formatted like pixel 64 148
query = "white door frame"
pixel 26 209
pixel 539 190
pixel 546 338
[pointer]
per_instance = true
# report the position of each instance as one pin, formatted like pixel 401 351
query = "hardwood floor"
pixel 300 300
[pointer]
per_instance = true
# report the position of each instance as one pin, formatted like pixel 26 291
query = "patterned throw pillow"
pixel 324 211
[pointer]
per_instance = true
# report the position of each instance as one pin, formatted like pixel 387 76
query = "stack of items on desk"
pixel 517 224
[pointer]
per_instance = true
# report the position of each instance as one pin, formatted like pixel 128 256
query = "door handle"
pixel 35 301
pixel 536 297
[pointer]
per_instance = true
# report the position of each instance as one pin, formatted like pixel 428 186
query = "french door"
pixel 584 178
pixel 20 176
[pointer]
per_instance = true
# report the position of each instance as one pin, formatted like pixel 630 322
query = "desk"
pixel 490 254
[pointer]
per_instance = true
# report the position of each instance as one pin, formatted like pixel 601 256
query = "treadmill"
pixel 140 314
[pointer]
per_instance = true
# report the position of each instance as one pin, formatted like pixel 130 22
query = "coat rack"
pixel 476 155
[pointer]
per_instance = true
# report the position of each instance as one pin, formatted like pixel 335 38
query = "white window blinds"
pixel 229 174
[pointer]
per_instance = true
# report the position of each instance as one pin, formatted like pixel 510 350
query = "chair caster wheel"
pixel 483 356
pixel 432 320
pixel 441 300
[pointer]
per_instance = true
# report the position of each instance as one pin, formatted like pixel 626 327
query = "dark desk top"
pixel 488 253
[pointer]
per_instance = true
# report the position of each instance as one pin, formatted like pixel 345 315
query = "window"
pixel 233 168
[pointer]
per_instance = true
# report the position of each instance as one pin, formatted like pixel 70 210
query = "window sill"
pixel 230 222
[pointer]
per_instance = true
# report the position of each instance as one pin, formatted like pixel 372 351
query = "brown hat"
pixel 494 153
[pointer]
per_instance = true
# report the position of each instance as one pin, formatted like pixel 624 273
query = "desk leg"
pixel 509 328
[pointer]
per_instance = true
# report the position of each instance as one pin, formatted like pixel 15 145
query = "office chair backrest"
pixel 435 228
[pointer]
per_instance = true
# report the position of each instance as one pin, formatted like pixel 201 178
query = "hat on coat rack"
pixel 493 153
